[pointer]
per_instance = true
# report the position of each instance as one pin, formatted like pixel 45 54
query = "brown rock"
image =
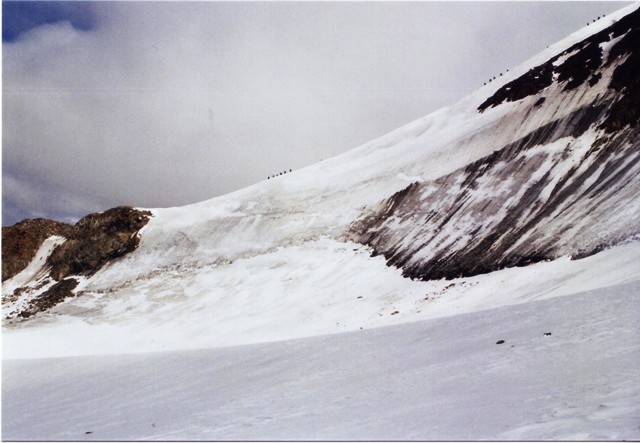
pixel 93 241
pixel 54 295
pixel 97 239
pixel 21 241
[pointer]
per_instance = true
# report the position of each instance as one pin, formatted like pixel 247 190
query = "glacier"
pixel 364 296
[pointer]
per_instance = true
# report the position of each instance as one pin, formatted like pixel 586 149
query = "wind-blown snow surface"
pixel 438 379
pixel 246 295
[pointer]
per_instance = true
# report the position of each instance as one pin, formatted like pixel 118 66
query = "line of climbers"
pixel 595 20
pixel 277 175
pixel 491 79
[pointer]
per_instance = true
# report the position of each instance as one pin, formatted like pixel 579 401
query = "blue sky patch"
pixel 19 17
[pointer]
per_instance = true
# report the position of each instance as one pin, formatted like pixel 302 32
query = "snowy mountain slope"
pixel 572 196
pixel 283 310
pixel 442 379
pixel 246 266
pixel 569 187
pixel 324 199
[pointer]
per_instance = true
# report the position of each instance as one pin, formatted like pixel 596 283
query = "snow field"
pixel 317 288
pixel 438 379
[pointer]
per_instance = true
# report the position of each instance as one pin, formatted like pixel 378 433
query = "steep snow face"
pixel 247 266
pixel 568 187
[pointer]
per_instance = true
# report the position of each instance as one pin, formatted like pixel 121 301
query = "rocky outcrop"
pixel 21 241
pixel 626 81
pixel 51 297
pixel 90 244
pixel 584 62
pixel 97 239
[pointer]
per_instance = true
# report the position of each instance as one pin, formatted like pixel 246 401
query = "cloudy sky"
pixel 156 104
